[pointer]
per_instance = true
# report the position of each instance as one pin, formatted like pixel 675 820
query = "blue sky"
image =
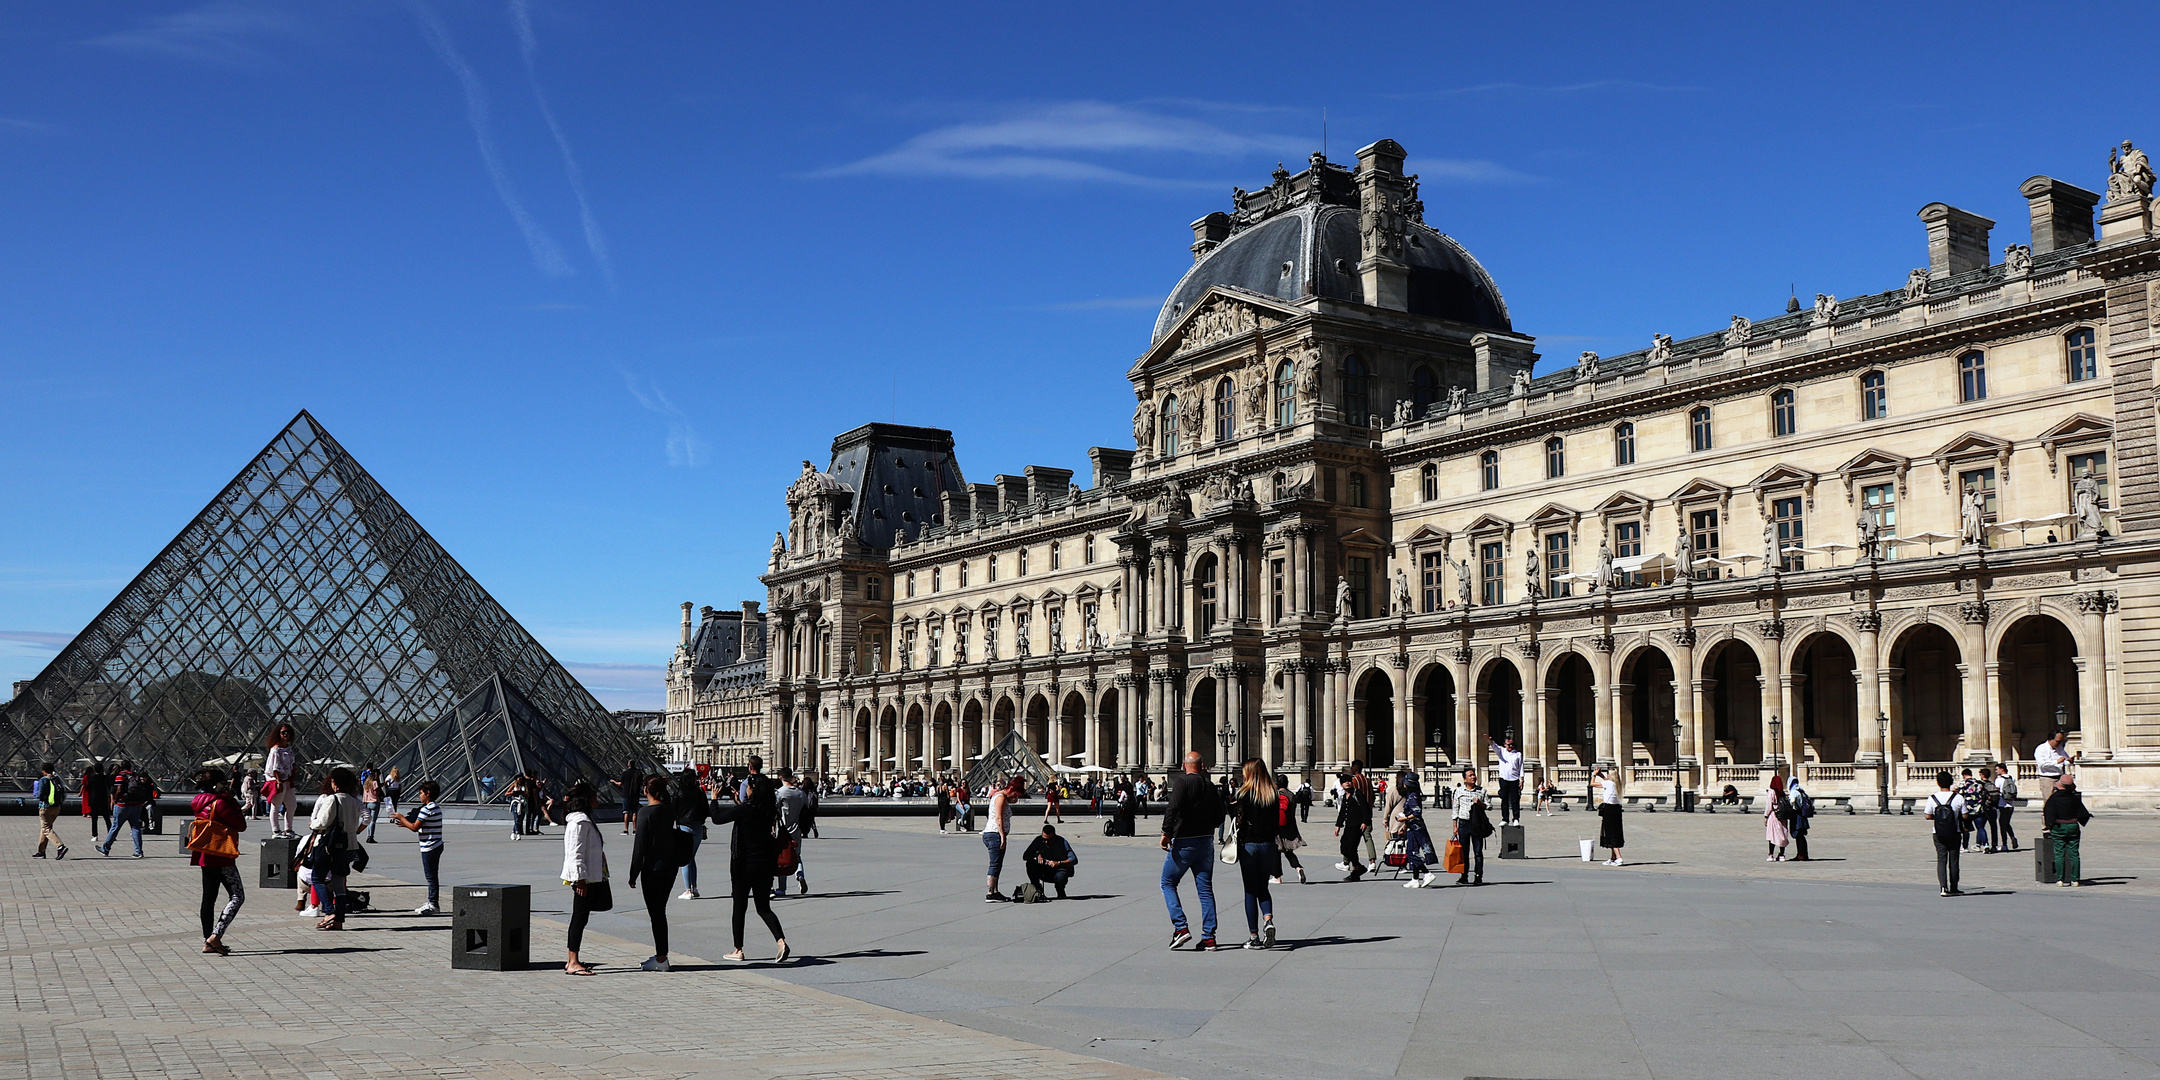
pixel 581 284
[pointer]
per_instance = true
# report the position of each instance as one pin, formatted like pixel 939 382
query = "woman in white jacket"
pixel 334 828
pixel 584 869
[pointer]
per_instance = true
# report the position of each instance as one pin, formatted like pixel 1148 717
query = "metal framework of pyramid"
pixel 302 594
pixel 492 735
pixel 1010 757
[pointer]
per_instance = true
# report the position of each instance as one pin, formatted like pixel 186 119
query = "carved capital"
pixel 1603 643
pixel 1533 648
pixel 1868 622
pixel 1461 654
pixel 2095 603
pixel 1773 629
pixel 1973 612
pixel 1399 661
pixel 1684 637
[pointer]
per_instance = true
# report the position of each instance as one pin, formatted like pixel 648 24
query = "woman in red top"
pixel 217 870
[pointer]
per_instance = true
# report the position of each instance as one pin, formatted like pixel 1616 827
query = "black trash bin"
pixel 2044 860
pixel 276 856
pixel 1511 843
pixel 490 927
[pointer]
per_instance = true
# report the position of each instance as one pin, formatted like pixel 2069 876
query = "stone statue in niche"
pixel 1022 647
pixel 1870 538
pixel 1308 383
pixel 1402 600
pixel 2130 175
pixel 1462 582
pixel 1342 598
pixel 1916 284
pixel 1772 561
pixel 1143 426
pixel 1660 349
pixel 1603 578
pixel 1736 334
pixel 2085 503
pixel 1244 490
pixel 877 657
pixel 1684 554
pixel 1404 411
pixel 1519 384
pixel 1256 391
pixel 1972 518
pixel 1533 575
pixel 1456 397
pixel 2017 260
pixel 1087 616
pixel 1057 630
pixel 1586 366
pixel 1825 309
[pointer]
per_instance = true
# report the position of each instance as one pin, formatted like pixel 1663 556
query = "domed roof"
pixel 1313 250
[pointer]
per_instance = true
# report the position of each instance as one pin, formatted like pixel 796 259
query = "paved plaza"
pixel 1697 960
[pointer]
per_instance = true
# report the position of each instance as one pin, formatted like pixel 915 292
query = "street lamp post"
pixel 1889 762
pixel 1432 759
pixel 1224 736
pixel 1776 757
pixel 1676 765
pixel 1369 763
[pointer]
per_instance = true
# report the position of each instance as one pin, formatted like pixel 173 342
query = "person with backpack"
pixel 660 847
pixel 132 795
pixel 1946 810
pixel 1803 816
pixel 47 792
pixel 1990 814
pixel 792 804
pixel 1288 840
pixel 334 834
pixel 215 848
pixel 97 793
pixel 755 815
pixel 691 806
pixel 427 822
pixel 1777 820
pixel 2006 795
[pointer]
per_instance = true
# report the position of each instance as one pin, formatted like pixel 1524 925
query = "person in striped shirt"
pixel 427 821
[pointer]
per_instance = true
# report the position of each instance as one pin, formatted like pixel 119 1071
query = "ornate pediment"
pixel 1489 523
pixel 1363 536
pixel 1222 314
pixel 1554 514
pixel 1622 502
pixel 1970 447
pixel 1700 488
pixel 1426 533
pixel 1871 462
pixel 2076 430
pixel 1783 476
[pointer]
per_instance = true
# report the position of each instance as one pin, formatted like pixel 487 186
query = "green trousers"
pixel 2065 838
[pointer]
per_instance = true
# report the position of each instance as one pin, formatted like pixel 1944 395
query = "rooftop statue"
pixel 2130 175
pixel 1660 349
pixel 1916 284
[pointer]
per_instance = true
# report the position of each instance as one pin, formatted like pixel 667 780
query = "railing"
pixel 1565 775
pixel 1651 774
pixel 1819 771
pixel 1731 774
pixel 1926 770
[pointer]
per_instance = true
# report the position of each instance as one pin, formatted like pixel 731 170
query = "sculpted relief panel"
pixel 1219 319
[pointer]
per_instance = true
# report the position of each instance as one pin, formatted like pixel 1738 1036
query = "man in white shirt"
pixel 1510 773
pixel 2051 759
pixel 1946 810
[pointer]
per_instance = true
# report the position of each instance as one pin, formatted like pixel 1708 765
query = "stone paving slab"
pixel 105 979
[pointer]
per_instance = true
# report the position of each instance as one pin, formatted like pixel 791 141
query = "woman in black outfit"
pixel 751 858
pixel 649 857
pixel 1260 809
pixel 1353 815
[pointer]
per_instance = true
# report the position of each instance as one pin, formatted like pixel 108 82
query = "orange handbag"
pixel 1452 860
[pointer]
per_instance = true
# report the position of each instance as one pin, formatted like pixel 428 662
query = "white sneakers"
pixel 425 909
pixel 653 963
pixel 1616 862
pixel 688 894
pixel 1422 881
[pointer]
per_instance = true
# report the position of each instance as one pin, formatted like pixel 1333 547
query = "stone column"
pixel 1466 703
pixel 1773 686
pixel 878 752
pixel 1128 589
pixel 1406 748
pixel 1330 725
pixel 1609 750
pixel 1973 643
pixel 1685 695
pixel 2095 740
pixel 1299 710
pixel 1300 572
pixel 1871 706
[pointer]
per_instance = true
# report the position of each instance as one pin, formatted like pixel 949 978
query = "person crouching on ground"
pixel 1050 859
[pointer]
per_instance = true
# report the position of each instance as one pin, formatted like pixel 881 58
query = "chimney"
pixel 686 624
pixel 957 508
pixel 1012 490
pixel 1382 191
pixel 1499 357
pixel 1112 467
pixel 1208 233
pixel 2062 214
pixel 753 631
pixel 1957 240
pixel 1046 483
pixel 985 497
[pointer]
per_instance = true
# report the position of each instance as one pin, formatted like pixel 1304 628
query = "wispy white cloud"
pixel 546 254
pixel 684 448
pixel 1555 89
pixel 39 638
pixel 1106 303
pixel 1464 170
pixel 529 48
pixel 10 123
pixel 1058 141
pixel 220 32
pixel 623 686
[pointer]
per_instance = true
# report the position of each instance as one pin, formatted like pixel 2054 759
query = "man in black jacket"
pixel 1050 859
pixel 2063 817
pixel 1353 817
pixel 1188 829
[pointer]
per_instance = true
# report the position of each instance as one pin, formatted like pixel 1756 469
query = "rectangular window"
pixel 1982 481
pixel 1087 551
pixel 937 578
pixel 1489 469
pixel 911 583
pixel 1556 565
pixel 1357 489
pixel 1429 483
pixel 1492 566
pixel 1360 575
pixel 1057 555
pixel 1699 429
pixel 1879 502
pixel 1627 544
pixel 1275 591
pixel 873 588
pixel 963 573
pixel 1432 580
pixel 937 644
pixel 1703 537
pixel 2084 357
pixel 1555 459
pixel 990 637
pixel 1624 445
pixel 2094 465
pixel 1207 597
pixel 1791 531
pixel 1874 396
pixel 960 643
pixel 1022 569
pixel 1784 414
pixel 1972 377
pixel 990 568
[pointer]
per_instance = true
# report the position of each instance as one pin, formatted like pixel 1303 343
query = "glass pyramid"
pixel 492 735
pixel 302 594
pixel 1010 757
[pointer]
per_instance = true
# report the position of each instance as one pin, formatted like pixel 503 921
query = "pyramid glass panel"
pixel 1009 758
pixel 302 594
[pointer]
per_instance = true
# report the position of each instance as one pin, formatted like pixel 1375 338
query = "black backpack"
pixel 139 790
pixel 1946 822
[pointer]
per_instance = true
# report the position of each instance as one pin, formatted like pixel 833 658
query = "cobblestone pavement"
pixel 105 979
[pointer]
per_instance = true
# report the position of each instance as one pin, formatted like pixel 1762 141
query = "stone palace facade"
pixel 1860 539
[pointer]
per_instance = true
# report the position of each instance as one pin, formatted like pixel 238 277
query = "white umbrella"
pixel 1074 757
pixel 1095 768
pixel 1929 538
pixel 229 759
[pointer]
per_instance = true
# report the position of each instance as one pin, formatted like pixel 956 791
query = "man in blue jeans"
pixel 133 792
pixel 1188 838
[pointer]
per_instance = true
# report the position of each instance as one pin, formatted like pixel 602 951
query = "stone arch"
pixel 1649 689
pixel 881 749
pixel 1497 704
pixel 1107 748
pixel 1372 728
pixel 1002 716
pixel 2038 664
pixel 1199 733
pixel 864 724
pixel 1732 701
pixel 1038 725
pixel 1433 709
pixel 1927 704
pixel 1071 740
pixel 971 727
pixel 940 742
pixel 912 755
pixel 1825 697
pixel 1568 689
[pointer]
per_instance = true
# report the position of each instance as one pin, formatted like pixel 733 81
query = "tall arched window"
pixel 1087 549
pixel 1972 377
pixel 2082 355
pixel 1489 469
pixel 1784 417
pixel 1623 444
pixel 1698 420
pixel 1170 426
pixel 1205 582
pixel 1356 392
pixel 1874 396
pixel 1429 482
pixel 1225 411
pixel 1555 458
pixel 1424 390
pixel 1285 394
